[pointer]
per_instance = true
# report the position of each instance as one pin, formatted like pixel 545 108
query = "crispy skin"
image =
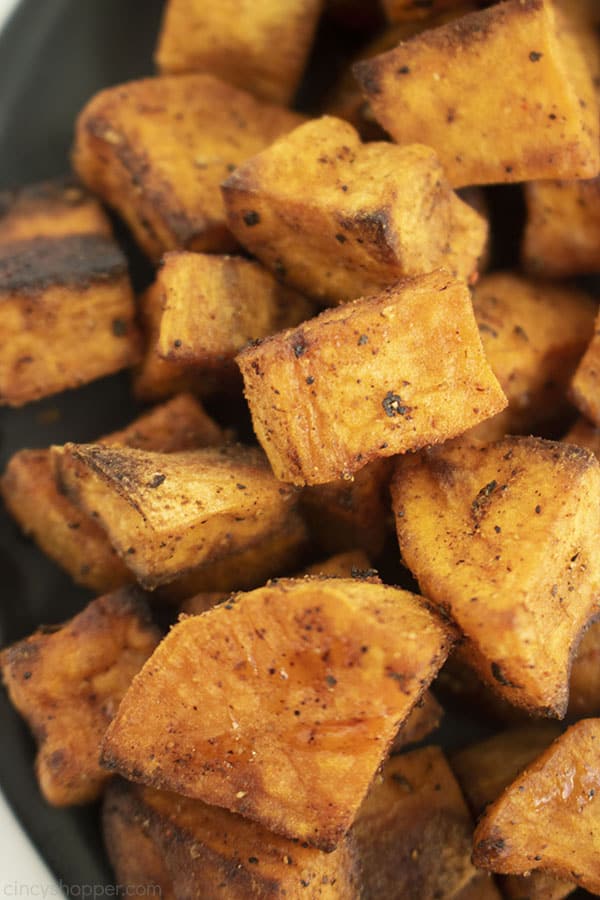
pixel 157 149
pixel 485 769
pixel 67 683
pixel 166 514
pixel 70 537
pixel 66 313
pixel 278 553
pixel 533 335
pixel 354 218
pixel 562 236
pixel 342 565
pixel 212 306
pixel 548 818
pixel 370 379
pixel 423 720
pixel 346 514
pixel 50 209
pixel 291 696
pixel 502 95
pixel 206 852
pixel 584 386
pixel 502 536
pixel 413 831
pixel 260 47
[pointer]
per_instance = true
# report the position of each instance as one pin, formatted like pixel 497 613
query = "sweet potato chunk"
pixel 346 514
pixel 370 379
pixel 413 831
pixel 206 852
pixel 355 217
pixel 342 565
pixel 50 209
pixel 166 514
pixel 502 95
pixel 66 313
pixel 585 391
pixel 71 538
pixel 584 434
pixel 503 536
pixel 584 689
pixel 291 697
pixel 67 683
pixel 212 306
pixel 485 769
pixel 549 818
pixel 157 149
pixel 533 335
pixel 423 720
pixel 260 47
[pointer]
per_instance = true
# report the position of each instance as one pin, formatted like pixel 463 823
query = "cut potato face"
pixel 166 514
pixel 157 149
pixel 204 848
pixel 260 47
pixel 414 831
pixel 502 536
pixel 365 381
pixel 533 335
pixel 291 696
pixel 355 218
pixel 458 88
pixel 67 683
pixel 548 818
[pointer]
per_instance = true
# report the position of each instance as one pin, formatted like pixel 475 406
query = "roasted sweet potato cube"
pixel 585 391
pixel 346 514
pixel 166 514
pixel 203 851
pixel 354 218
pixel 70 537
pixel 67 315
pixel 260 47
pixel 67 683
pixel 414 831
pixel 562 235
pixel 503 537
pixel 423 720
pixel 292 694
pixel 549 818
pixel 485 769
pixel 533 335
pixel 212 306
pixel 157 149
pixel 370 379
pixel 50 209
pixel 342 565
pixel 504 94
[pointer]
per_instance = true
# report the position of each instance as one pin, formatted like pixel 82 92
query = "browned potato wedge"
pixel 355 217
pixel 290 707
pixel 413 831
pixel 67 314
pixel 562 236
pixel 411 10
pixel 584 690
pixel 585 391
pixel 67 683
pixel 50 209
pixel 278 553
pixel 423 720
pixel 503 536
pixel 157 149
pixel 584 434
pixel 212 306
pixel 533 335
pixel 548 818
pixel 71 538
pixel 342 565
pixel 370 379
pixel 204 852
pixel 166 514
pixel 260 47
pixel 485 769
pixel 502 95
pixel 350 513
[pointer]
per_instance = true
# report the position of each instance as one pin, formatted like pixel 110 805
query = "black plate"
pixel 53 56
